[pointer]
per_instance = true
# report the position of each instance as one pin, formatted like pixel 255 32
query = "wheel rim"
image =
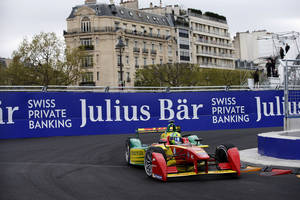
pixel 148 164
pixel 127 154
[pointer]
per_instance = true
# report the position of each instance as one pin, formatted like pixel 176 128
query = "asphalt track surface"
pixel 93 167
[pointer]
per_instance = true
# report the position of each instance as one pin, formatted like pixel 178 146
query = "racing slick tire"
pixel 127 151
pixel 148 159
pixel 221 155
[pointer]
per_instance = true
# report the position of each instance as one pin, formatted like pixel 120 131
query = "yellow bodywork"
pixel 137 156
pixel 201 173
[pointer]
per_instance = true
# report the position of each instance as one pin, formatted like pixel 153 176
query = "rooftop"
pixel 125 13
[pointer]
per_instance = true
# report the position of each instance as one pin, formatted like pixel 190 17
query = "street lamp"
pixel 120 46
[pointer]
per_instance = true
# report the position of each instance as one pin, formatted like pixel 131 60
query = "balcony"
pixel 145 51
pixel 136 50
pixel 213 54
pixel 109 29
pixel 214 43
pixel 86 47
pixel 212 32
pixel 153 52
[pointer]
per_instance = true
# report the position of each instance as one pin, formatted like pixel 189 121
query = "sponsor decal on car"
pixel 157 176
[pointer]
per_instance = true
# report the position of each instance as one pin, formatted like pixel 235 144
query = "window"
pixel 87 61
pixel 150 31
pixel 128 77
pixel 98 76
pixel 135 43
pixel 167 32
pixel 136 61
pixel 127 60
pixel 134 27
pixel 158 32
pixel 184 46
pixel 152 46
pixel 119 76
pixel 145 45
pixel 183 33
pixel 86 41
pixel 85 25
pixel 117 25
pixel 161 61
pixel 126 42
pixel 145 61
pixel 87 77
pixel 170 50
pixel 153 61
pixel 160 46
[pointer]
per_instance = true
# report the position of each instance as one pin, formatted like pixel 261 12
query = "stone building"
pixel 96 28
pixel 154 35
pixel 202 38
pixel 212 45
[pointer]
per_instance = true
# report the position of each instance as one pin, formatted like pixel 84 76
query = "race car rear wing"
pixel 156 130
pixel 171 128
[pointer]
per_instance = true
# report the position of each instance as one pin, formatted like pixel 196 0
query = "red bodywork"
pixel 191 154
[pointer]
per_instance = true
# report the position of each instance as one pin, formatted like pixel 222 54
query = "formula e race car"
pixel 177 156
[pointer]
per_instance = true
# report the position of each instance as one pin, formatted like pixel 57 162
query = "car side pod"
pixel 234 159
pixel 159 167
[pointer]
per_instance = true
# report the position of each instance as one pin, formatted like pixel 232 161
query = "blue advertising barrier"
pixel 37 114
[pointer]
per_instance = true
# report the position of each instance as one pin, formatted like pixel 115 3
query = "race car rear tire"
pixel 127 151
pixel 221 152
pixel 148 159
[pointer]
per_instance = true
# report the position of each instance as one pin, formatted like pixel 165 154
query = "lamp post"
pixel 120 46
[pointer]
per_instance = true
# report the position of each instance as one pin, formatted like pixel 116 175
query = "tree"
pixel 44 61
pixel 173 75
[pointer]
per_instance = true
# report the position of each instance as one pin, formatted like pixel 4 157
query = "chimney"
pixel 87 2
pixel 133 4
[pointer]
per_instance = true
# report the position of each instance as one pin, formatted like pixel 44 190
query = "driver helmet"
pixel 175 138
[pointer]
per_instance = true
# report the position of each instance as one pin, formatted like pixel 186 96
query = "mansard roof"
pixel 125 13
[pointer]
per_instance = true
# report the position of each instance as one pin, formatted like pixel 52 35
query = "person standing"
pixel 256 78
pixel 281 51
pixel 268 66
pixel 273 67
pixel 287 48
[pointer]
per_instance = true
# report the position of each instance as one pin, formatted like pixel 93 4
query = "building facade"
pixel 212 45
pixel 252 47
pixel 154 35
pixel 202 39
pixel 97 28
pixel 5 62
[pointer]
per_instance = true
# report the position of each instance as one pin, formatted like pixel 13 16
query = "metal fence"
pixel 59 88
pixel 291 69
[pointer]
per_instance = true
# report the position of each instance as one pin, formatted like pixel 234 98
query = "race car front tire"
pixel 221 155
pixel 148 159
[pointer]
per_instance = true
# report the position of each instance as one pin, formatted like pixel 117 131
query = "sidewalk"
pixel 251 156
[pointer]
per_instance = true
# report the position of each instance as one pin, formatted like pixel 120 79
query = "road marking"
pixel 251 169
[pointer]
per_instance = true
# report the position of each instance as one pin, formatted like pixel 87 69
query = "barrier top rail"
pixel 59 88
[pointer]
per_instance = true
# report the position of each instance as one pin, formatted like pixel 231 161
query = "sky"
pixel 21 19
